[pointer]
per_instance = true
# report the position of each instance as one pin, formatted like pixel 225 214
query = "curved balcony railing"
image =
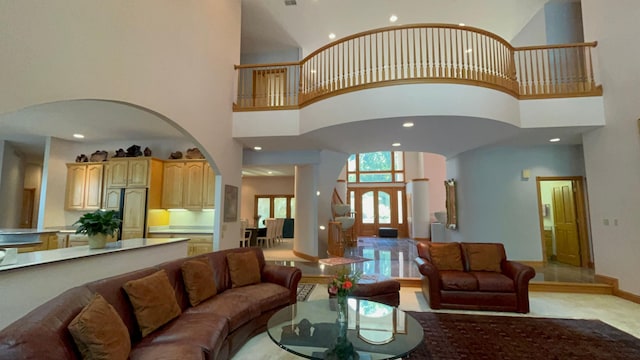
pixel 424 53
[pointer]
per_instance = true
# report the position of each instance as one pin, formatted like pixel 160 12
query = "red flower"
pixel 347 285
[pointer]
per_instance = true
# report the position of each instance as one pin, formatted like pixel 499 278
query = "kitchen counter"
pixel 40 275
pixel 22 237
pixel 50 256
pixel 180 230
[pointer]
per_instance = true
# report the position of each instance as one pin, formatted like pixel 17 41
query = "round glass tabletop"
pixel 374 331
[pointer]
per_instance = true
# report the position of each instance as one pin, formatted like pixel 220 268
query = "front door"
pixel 566 226
pixel 378 207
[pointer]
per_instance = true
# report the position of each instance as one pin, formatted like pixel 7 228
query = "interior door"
pixel 566 226
pixel 375 208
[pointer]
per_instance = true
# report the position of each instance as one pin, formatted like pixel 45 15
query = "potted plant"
pixel 98 225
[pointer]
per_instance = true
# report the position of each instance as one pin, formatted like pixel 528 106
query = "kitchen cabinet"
pixel 111 199
pixel 84 186
pixel 188 185
pixel 49 242
pixel 192 187
pixel 209 189
pixel 197 244
pixel 134 213
pixel 128 172
pixel 172 184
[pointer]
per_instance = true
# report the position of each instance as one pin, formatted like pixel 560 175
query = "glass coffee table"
pixel 374 331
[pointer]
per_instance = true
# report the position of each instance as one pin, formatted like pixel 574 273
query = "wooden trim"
pixel 311 258
pixel 421 239
pixel 282 64
pixel 556 46
pixel 565 287
pixel 530 263
pixel 425 179
pixel 341 180
pixel 613 282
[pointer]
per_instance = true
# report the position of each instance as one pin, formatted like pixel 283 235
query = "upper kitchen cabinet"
pixel 128 172
pixel 209 190
pixel 84 186
pixel 187 185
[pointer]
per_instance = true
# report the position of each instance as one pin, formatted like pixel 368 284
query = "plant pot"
pixel 98 241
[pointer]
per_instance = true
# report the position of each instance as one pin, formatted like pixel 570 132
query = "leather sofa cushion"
pixel 198 330
pixel 168 351
pixel 376 288
pixel 198 280
pixel 267 296
pixel 446 256
pixel 154 301
pixel 243 268
pixel 236 308
pixel 458 280
pixel 493 282
pixel 99 332
pixel 484 257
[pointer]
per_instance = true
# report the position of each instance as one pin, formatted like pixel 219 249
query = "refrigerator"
pixel 133 213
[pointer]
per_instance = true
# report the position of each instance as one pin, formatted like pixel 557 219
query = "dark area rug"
pixel 458 336
pixel 304 290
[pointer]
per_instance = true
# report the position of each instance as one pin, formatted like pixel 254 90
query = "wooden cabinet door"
pixel 134 213
pixel 192 185
pixel 76 174
pixel 93 187
pixel 209 188
pixel 117 173
pixel 111 199
pixel 172 185
pixel 138 173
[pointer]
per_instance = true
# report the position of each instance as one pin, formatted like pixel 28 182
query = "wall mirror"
pixel 452 212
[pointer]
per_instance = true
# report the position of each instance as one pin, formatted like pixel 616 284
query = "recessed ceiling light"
pixel 408 124
pixel 554 140
pixel 257 148
pixel 269 172
pixel 393 18
pixel 461 24
pixel 332 36
pixel 78 136
pixel 396 144
pixel 318 193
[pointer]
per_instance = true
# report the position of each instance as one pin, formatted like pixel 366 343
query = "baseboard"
pixel 565 287
pixel 421 239
pixel 614 283
pixel 306 256
pixel 531 263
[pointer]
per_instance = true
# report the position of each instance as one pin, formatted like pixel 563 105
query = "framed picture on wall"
pixel 230 203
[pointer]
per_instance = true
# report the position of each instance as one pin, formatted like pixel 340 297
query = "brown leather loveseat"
pixel 241 293
pixel 473 276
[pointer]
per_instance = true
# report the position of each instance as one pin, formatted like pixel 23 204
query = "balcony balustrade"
pixel 423 53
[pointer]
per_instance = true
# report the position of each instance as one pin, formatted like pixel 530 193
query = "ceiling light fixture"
pixel 332 36
pixel 408 124
pixel 461 24
pixel 554 140
pixel 270 172
pixel 78 136
pixel 257 148
pixel 396 144
pixel 393 18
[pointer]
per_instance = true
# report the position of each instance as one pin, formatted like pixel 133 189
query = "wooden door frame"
pixel 402 228
pixel 581 203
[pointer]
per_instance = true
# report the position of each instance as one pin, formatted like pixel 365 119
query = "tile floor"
pixel 395 258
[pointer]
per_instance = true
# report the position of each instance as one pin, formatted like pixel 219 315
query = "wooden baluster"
pixel 402 65
pixel 395 55
pixel 592 79
pixel 416 71
pixel 449 45
pixel 440 56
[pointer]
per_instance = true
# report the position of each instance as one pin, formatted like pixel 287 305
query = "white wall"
pixel 612 154
pixel 533 33
pixel 175 58
pixel 496 205
pixel 33 179
pixel 563 22
pixel 263 185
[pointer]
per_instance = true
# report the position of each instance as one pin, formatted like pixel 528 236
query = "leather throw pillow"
pixel 198 280
pixel 244 268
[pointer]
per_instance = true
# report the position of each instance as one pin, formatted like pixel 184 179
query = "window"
pixel 376 167
pixel 274 206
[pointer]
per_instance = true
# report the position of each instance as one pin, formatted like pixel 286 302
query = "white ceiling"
pixel 270 26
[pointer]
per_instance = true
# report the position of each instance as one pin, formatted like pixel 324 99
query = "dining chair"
pixel 279 228
pixel 270 234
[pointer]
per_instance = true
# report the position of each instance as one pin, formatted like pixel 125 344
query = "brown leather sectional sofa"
pixel 473 276
pixel 214 329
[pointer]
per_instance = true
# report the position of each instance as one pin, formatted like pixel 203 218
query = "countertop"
pixel 25 231
pixel 180 230
pixel 51 256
